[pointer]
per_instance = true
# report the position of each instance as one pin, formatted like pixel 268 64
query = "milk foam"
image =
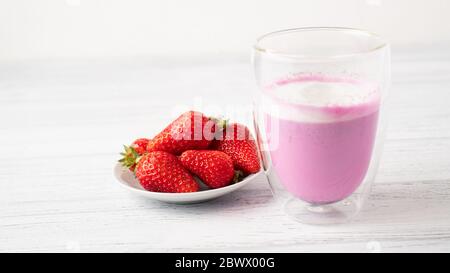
pixel 313 99
pixel 323 93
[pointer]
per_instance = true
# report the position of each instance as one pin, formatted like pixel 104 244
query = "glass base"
pixel 321 214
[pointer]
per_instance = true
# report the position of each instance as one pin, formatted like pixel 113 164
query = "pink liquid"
pixel 322 155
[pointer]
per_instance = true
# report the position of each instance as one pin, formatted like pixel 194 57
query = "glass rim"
pixel 256 46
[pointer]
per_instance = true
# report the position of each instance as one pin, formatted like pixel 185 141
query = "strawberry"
pixel 190 131
pixel 162 172
pixel 237 142
pixel 214 168
pixel 140 145
pixel 133 152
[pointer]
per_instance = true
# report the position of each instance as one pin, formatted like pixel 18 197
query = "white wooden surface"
pixel 63 123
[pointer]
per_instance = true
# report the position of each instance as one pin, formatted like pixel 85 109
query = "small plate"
pixel 128 181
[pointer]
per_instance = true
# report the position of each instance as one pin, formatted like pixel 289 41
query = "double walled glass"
pixel 320 114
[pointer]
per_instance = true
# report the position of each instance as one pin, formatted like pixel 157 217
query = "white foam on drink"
pixel 320 101
pixel 323 93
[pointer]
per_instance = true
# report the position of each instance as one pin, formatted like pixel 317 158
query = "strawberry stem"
pixel 129 157
pixel 220 122
pixel 238 176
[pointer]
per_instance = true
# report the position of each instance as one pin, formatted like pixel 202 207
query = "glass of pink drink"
pixel 319 117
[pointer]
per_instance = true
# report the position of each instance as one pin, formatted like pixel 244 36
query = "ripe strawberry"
pixel 140 145
pixel 133 152
pixel 162 172
pixel 214 168
pixel 237 142
pixel 190 131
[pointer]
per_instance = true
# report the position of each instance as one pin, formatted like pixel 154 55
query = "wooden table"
pixel 63 124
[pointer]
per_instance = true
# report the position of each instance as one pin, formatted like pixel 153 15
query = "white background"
pixel 102 28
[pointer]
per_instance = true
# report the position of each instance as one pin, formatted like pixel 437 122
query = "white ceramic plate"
pixel 128 181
